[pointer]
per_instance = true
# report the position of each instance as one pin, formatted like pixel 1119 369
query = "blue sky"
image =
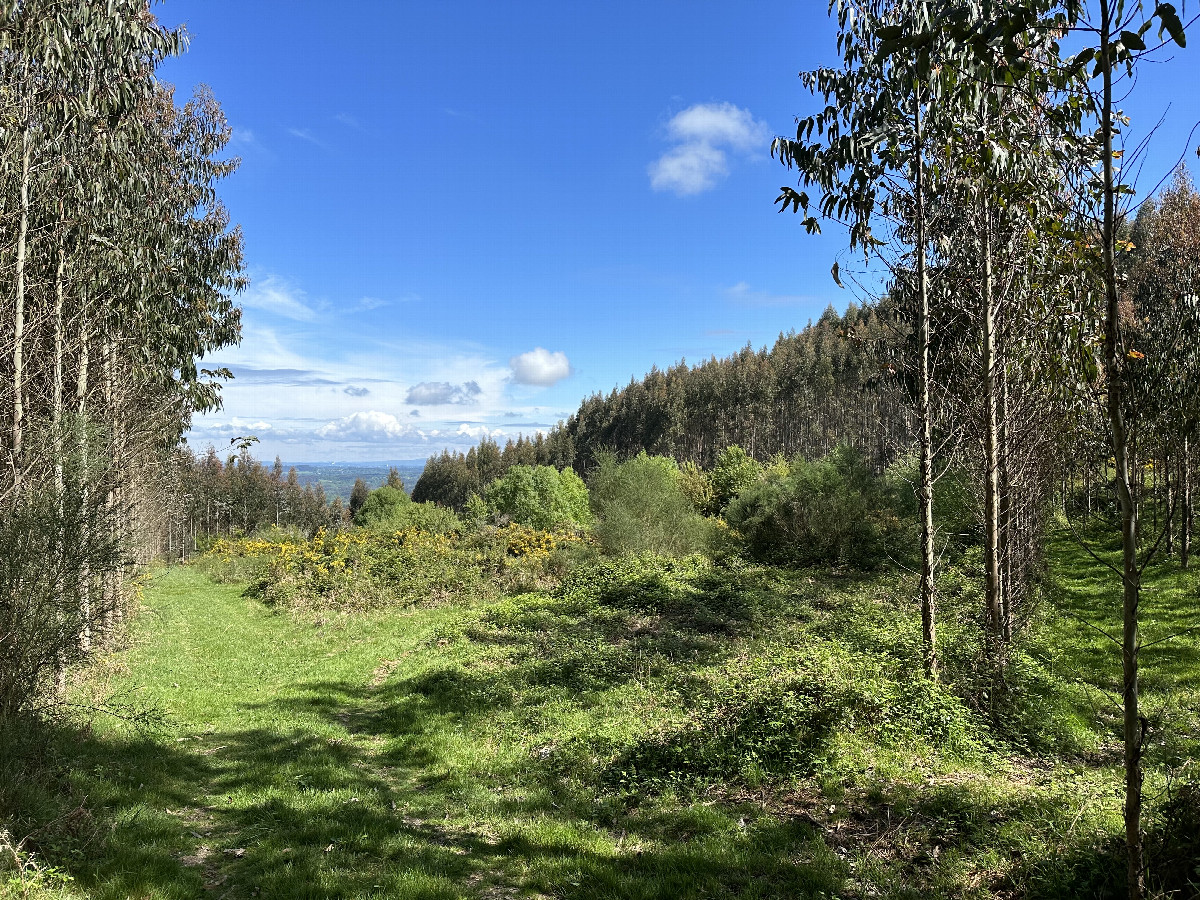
pixel 463 218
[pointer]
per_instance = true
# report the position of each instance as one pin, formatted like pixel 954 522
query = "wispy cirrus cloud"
pixel 745 295
pixel 704 134
pixel 274 295
pixel 305 134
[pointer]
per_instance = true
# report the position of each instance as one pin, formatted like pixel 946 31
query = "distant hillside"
pixel 338 478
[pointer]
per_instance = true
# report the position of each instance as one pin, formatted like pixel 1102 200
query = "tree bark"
pixel 991 484
pixel 18 380
pixel 1185 517
pixel 925 492
pixel 1130 576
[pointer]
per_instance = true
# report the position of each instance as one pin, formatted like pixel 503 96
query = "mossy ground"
pixel 649 730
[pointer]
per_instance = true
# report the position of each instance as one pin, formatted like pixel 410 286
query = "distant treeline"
pixel 831 384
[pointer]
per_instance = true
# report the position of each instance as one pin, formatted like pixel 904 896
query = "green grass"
pixel 648 730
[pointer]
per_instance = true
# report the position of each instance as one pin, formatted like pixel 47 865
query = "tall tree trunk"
pixel 1130 577
pixel 1006 530
pixel 108 586
pixel 18 380
pixel 57 438
pixel 1168 504
pixel 991 483
pixel 1185 517
pixel 925 492
pixel 85 573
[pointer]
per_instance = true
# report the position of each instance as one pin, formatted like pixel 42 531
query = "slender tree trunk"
pixel 1169 505
pixel 108 579
pixel 1185 517
pixel 18 380
pixel 925 493
pixel 85 573
pixel 1130 577
pixel 57 412
pixel 1007 579
pixel 57 438
pixel 991 483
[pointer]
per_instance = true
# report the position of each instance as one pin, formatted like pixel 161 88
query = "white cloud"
pixel 366 304
pixel 688 169
pixel 365 426
pixel 719 123
pixel 244 138
pixel 438 393
pixel 540 367
pixel 702 133
pixel 475 432
pixel 273 295
pixel 349 121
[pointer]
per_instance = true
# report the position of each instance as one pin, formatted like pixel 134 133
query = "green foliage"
pixel 955 513
pixel 696 485
pixel 540 497
pixel 833 511
pixel 358 496
pixel 52 549
pixel 640 507
pixel 381 506
pixel 733 472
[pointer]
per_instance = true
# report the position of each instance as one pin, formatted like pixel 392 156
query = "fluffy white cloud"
pixel 719 123
pixel 365 426
pixel 688 169
pixel 702 134
pixel 540 367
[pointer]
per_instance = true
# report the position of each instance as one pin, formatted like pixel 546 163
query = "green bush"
pixel 381 506
pixel 827 512
pixel 954 504
pixel 733 472
pixel 539 496
pixel 697 485
pixel 641 507
pixel 389 509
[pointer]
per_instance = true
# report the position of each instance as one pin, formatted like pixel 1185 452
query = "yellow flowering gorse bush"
pixel 363 567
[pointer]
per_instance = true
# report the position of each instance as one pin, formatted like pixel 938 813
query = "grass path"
pixel 323 760
pixel 502 749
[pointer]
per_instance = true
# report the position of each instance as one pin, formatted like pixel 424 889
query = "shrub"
pixel 696 485
pixel 827 512
pixel 733 472
pixel 641 507
pixel 540 497
pixel 381 505
pixel 954 506
pixel 389 509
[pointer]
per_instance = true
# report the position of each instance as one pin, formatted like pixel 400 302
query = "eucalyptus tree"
pixel 121 266
pixel 1101 343
pixel 870 158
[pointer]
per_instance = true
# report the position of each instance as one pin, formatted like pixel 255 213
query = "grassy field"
pixel 647 730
